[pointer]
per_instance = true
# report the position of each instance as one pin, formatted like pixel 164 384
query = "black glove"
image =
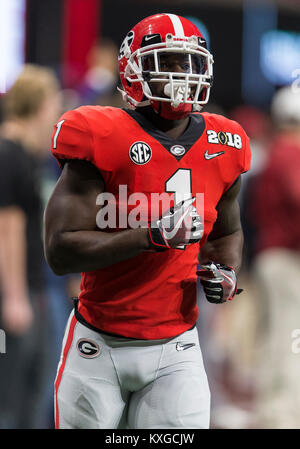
pixel 179 226
pixel 219 282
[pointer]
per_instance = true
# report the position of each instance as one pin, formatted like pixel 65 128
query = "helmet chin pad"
pixel 167 111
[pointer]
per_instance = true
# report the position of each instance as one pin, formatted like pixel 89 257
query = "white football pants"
pixel 106 382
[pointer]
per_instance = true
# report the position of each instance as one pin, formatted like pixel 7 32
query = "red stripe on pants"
pixel 62 367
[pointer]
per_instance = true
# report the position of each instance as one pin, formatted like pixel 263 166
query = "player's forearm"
pixel 226 250
pixel 78 251
pixel 13 254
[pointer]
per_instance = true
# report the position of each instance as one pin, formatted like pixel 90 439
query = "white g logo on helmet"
pixel 126 44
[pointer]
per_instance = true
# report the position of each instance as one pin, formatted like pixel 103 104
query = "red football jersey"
pixel 153 295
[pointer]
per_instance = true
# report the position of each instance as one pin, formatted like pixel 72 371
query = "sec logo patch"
pixel 88 348
pixel 140 153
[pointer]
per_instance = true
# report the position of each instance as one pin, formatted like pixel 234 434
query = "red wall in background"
pixel 80 30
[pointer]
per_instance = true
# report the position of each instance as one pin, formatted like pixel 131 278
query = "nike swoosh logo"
pixel 147 38
pixel 212 155
pixel 183 347
pixel 170 234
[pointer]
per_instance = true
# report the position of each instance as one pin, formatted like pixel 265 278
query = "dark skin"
pixel 173 63
pixel 225 242
pixel 74 243
pixel 173 128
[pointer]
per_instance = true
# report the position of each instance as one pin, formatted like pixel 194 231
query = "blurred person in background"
pixel 276 268
pixel 29 109
pixel 229 361
pixel 258 126
pixel 101 78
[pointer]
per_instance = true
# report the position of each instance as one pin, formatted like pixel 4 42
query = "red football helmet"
pixel 142 63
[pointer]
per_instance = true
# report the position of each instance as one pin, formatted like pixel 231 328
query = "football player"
pixel 131 356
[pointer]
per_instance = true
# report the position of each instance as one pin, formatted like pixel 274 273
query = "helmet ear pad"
pixel 167 111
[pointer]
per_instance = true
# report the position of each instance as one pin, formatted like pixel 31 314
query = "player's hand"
pixel 17 314
pixel 219 282
pixel 179 226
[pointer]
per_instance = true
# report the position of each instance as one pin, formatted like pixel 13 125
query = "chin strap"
pixel 169 112
pixel 131 101
pixel 197 107
pixel 166 108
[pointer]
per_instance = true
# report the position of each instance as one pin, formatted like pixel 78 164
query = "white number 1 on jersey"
pixel 180 183
pixel 58 128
